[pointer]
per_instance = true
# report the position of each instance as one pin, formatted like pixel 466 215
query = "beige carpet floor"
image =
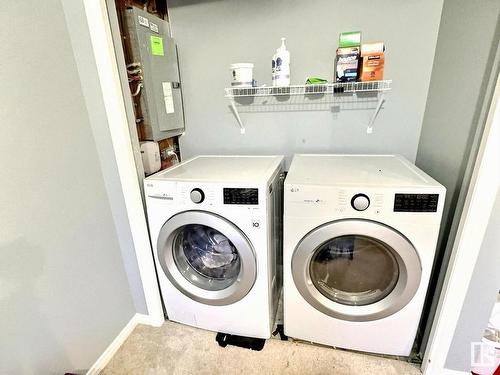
pixel 178 349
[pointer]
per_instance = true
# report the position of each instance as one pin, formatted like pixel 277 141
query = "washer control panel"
pixel 241 196
pixel 416 202
pixel 360 202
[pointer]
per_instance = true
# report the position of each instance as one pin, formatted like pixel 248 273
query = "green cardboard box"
pixel 350 39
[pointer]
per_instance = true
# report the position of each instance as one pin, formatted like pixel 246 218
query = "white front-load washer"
pixel 360 235
pixel 215 224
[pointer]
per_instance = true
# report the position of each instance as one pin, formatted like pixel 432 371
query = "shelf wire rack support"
pixel 381 100
pixel 380 87
pixel 232 103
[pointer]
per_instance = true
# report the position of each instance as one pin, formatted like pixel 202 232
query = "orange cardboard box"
pixel 373 57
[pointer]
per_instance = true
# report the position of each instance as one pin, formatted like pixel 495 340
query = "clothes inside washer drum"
pixel 210 252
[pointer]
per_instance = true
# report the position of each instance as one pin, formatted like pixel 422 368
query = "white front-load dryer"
pixel 360 235
pixel 215 224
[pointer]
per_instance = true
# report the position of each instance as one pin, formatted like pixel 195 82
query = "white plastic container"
pixel 150 153
pixel 242 74
pixel 281 75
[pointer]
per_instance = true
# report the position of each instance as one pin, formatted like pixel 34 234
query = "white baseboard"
pixel 111 350
pixel 143 319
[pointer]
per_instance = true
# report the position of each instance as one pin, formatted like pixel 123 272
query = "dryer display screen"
pixel 416 202
pixel 241 196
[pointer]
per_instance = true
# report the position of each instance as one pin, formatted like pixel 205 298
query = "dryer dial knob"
pixel 360 202
pixel 197 195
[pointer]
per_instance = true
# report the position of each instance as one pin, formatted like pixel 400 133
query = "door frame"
pixel 474 219
pixel 99 29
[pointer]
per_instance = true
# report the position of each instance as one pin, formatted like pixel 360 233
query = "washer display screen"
pixel 241 196
pixel 416 202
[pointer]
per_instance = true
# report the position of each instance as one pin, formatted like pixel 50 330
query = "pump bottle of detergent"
pixel 281 66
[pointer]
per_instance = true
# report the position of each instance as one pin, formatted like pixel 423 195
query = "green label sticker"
pixel 157 46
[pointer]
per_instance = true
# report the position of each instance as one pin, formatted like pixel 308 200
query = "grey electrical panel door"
pixel 149 43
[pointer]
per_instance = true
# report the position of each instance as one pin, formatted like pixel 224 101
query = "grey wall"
pixel 457 104
pixel 481 296
pixel 64 294
pixel 213 34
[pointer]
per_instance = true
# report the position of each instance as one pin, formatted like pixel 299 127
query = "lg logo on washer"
pixel 306 197
pixel 256 223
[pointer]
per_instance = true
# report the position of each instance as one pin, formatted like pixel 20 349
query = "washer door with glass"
pixel 356 270
pixel 206 257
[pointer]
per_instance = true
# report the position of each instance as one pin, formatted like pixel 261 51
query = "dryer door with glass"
pixel 356 270
pixel 207 257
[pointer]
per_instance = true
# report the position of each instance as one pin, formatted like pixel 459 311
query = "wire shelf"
pixel 327 88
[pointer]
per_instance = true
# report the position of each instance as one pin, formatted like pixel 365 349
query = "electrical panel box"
pixel 151 49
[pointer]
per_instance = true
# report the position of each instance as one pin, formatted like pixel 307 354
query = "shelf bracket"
pixel 232 104
pixel 381 100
